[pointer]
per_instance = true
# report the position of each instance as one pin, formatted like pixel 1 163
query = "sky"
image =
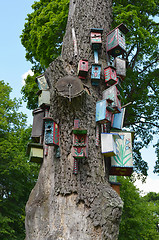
pixel 14 68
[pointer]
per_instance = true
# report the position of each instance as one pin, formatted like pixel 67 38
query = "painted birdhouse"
pixel 110 75
pixel 43 97
pixel 122 163
pixel 42 82
pixel 118 119
pixel 96 38
pixel 116 40
pixel 95 74
pixel 111 95
pixel 35 152
pixel 37 128
pixel 120 65
pixel 51 132
pixel 118 84
pixel 103 113
pixel 82 69
pixel 108 144
pixel 80 143
pixel 114 184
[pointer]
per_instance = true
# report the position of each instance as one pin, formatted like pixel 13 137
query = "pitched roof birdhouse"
pixel 103 113
pixel 120 65
pixel 95 74
pixel 80 143
pixel 43 97
pixel 42 82
pixel 96 38
pixel 122 163
pixel 110 75
pixel 108 144
pixel 51 132
pixel 116 40
pixel 35 152
pixel 118 119
pixel 82 69
pixel 37 128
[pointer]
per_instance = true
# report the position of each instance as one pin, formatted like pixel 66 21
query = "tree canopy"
pixel 42 38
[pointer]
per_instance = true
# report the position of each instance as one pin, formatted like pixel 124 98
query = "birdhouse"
pixel 114 184
pixel 118 84
pixel 42 82
pixel 111 95
pixel 96 38
pixel 80 143
pixel 35 152
pixel 116 40
pixel 118 119
pixel 110 75
pixel 43 97
pixel 108 144
pixel 103 113
pixel 51 132
pixel 120 65
pixel 95 74
pixel 82 69
pixel 37 128
pixel 122 163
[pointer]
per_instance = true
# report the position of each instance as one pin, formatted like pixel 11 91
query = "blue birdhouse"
pixel 95 74
pixel 51 132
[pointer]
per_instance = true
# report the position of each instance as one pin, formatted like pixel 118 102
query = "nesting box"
pixel 108 144
pixel 114 184
pixel 103 115
pixel 96 38
pixel 95 74
pixel 120 65
pixel 118 84
pixel 111 95
pixel 116 40
pixel 43 97
pixel 37 128
pixel 82 69
pixel 80 143
pixel 118 119
pixel 110 75
pixel 42 82
pixel 35 152
pixel 122 163
pixel 51 132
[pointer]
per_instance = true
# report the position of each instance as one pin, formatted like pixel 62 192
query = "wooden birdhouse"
pixel 42 82
pixel 43 97
pixel 110 75
pixel 51 132
pixel 120 65
pixel 108 144
pixel 118 84
pixel 96 38
pixel 116 40
pixel 111 95
pixel 80 143
pixel 114 184
pixel 35 152
pixel 37 128
pixel 82 69
pixel 118 119
pixel 122 163
pixel 95 74
pixel 103 113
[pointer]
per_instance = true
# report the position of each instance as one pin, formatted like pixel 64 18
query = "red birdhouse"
pixel 110 75
pixel 82 69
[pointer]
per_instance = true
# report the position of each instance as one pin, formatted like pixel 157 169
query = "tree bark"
pixel 62 205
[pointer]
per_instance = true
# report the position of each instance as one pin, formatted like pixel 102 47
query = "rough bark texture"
pixel 62 205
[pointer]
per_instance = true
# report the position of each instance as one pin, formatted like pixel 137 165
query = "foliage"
pixel 17 176
pixel 139 218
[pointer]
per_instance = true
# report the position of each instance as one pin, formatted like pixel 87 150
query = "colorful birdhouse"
pixel 37 128
pixel 122 163
pixel 82 69
pixel 116 40
pixel 80 143
pixel 95 74
pixel 114 184
pixel 108 144
pixel 120 65
pixel 96 38
pixel 42 82
pixel 103 113
pixel 118 84
pixel 35 152
pixel 110 75
pixel 111 95
pixel 43 97
pixel 51 132
pixel 118 119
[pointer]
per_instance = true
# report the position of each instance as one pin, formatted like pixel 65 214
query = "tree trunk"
pixel 62 205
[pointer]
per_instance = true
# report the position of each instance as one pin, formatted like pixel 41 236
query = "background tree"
pixel 17 176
